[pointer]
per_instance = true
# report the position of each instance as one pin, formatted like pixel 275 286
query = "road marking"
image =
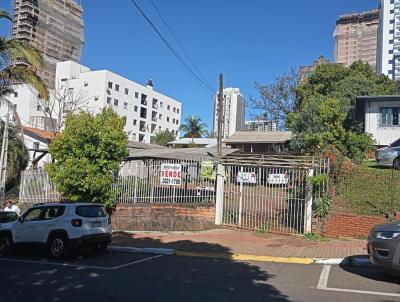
pixel 356 291
pixel 137 261
pixel 323 285
pixel 55 263
pixel 245 257
pixel 323 278
pixel 79 266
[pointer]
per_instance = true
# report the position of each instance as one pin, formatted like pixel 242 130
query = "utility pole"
pixel 3 159
pixel 220 115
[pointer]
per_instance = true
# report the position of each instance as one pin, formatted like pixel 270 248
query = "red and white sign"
pixel 171 174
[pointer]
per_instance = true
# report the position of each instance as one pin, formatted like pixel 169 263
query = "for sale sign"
pixel 171 174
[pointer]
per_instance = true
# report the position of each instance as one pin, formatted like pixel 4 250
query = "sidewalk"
pixel 227 241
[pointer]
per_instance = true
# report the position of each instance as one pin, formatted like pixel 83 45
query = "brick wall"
pixel 350 225
pixel 164 217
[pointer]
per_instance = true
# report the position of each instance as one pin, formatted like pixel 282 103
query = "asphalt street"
pixel 144 277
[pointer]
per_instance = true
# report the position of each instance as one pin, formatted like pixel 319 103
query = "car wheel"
pixel 6 244
pixel 396 164
pixel 58 247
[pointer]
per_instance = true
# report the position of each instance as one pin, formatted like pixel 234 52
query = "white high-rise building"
pixel 233 112
pixel 146 111
pixel 388 49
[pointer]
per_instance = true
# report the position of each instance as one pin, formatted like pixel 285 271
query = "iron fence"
pixel 36 186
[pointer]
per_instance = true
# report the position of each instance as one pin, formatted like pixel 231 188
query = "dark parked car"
pixel 6 217
pixel 384 246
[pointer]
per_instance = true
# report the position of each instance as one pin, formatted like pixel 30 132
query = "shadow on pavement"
pixel 165 279
pixel 368 270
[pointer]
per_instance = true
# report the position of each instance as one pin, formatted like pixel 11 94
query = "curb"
pixel 349 261
pixel 134 250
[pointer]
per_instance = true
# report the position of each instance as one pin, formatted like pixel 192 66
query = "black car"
pixel 384 246
pixel 6 217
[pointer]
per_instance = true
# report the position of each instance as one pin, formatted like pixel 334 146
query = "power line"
pixel 203 84
pixel 177 42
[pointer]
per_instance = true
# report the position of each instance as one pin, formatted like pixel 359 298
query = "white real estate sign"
pixel 171 174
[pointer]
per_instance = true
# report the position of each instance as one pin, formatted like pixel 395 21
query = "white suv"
pixel 60 226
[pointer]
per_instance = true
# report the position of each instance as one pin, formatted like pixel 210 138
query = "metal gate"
pixel 269 196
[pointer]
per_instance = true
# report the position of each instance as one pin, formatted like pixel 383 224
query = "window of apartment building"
pixel 391 41
pixel 110 85
pixel 136 95
pixel 143 99
pixel 177 110
pixel 173 121
pixel 38 108
pixel 168 107
pixel 174 109
pixel 124 118
pixel 36 145
pixel 161 104
pixel 143 112
pixel 126 91
pixel 160 116
pixel 391 21
pixel 134 136
pixel 115 102
pixel 167 118
pixel 108 100
pixel 125 105
pixel 177 122
pixel 391 51
pixel 135 108
pixel 134 122
pixel 390 116
pixel 16 94
pixel 116 87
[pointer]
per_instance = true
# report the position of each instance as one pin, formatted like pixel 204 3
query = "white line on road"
pixel 137 261
pixel 323 285
pixel 79 266
pixel 323 278
pixel 54 263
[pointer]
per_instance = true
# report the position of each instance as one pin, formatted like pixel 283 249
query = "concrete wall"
pixel 164 217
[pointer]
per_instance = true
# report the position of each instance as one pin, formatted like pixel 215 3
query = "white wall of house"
pixel 382 134
pixel 32 142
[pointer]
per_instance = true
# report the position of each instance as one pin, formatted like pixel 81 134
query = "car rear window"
pixel 8 217
pixel 90 211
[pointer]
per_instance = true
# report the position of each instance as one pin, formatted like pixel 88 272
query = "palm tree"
pixel 193 127
pixel 25 73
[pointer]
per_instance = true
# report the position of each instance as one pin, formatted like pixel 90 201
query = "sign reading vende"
pixel 171 174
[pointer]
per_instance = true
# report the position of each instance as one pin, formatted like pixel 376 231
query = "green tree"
pixel 319 126
pixel 12 49
pixel 18 156
pixel 193 127
pixel 87 155
pixel 163 138
pixel 345 84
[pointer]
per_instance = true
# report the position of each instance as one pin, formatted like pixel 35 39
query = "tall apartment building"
pixel 260 126
pixel 388 53
pixel 356 37
pixel 146 111
pixel 306 70
pixel 233 113
pixel 55 27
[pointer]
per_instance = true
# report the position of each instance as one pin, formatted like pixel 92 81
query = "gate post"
pixel 219 198
pixel 308 204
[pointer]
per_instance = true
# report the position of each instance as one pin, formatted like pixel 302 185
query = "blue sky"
pixel 253 40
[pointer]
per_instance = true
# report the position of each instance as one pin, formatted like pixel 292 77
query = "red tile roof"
pixel 38 132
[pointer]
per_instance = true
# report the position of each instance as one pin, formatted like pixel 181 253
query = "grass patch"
pixel 315 237
pixel 369 190
pixel 362 237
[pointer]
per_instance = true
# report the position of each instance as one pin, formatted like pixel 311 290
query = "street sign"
pixel 171 174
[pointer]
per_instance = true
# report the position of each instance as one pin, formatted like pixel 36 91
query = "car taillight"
pixel 109 220
pixel 76 222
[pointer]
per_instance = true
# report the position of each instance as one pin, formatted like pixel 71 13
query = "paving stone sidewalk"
pixel 243 242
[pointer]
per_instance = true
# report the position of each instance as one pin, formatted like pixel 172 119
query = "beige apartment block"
pixel 356 37
pixel 55 27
